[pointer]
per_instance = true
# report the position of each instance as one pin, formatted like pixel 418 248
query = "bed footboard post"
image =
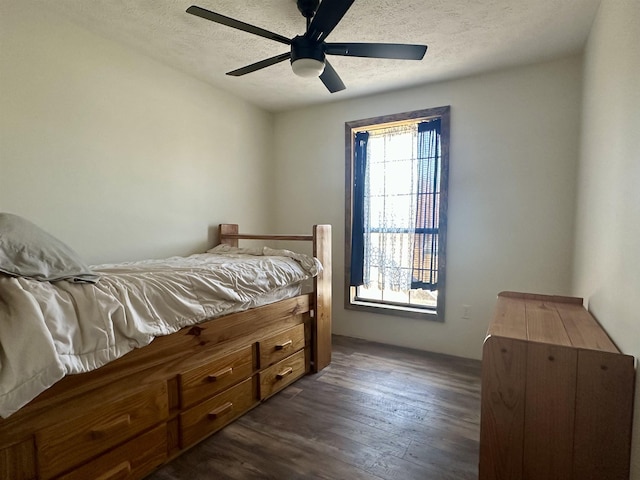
pixel 322 300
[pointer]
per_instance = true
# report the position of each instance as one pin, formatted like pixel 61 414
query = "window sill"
pixel 395 310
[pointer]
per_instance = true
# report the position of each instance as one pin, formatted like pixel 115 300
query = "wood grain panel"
pixel 583 330
pixel 130 461
pixel 509 319
pixel 213 414
pixel 503 405
pixel 549 412
pixel 281 345
pixel 173 436
pixel 17 462
pixel 75 440
pixel 212 377
pixel 603 435
pixel 283 373
pixel 542 298
pixel 544 323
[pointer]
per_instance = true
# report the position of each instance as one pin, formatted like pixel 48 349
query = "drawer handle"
pixel 118 472
pixel 284 373
pixel 107 428
pixel 222 373
pixel 218 412
pixel 282 346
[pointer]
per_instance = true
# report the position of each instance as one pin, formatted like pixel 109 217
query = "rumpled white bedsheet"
pixel 49 330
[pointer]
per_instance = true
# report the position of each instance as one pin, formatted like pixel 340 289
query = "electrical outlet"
pixel 465 312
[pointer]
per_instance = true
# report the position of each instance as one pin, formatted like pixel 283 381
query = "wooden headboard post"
pixel 321 324
pixel 225 229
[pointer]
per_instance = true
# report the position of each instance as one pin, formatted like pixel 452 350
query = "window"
pixel 396 209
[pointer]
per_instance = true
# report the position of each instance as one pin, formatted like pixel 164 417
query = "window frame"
pixel 351 128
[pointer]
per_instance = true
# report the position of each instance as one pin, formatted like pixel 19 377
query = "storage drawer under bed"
pixel 213 414
pixel 132 460
pixel 283 373
pixel 281 345
pixel 72 442
pixel 212 377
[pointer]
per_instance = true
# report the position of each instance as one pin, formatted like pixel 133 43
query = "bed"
pixel 132 414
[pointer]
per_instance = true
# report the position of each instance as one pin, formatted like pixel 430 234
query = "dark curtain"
pixel 357 226
pixel 425 251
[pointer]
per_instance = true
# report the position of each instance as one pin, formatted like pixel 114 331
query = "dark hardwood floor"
pixel 377 412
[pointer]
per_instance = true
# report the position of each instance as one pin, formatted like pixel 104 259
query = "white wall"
pixel 607 254
pixel 116 154
pixel 514 149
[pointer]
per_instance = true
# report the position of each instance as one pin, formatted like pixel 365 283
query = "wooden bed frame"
pixel 136 413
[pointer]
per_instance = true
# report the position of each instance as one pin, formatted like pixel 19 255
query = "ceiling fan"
pixel 307 53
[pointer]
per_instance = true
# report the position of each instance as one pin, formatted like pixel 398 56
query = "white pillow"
pixel 28 251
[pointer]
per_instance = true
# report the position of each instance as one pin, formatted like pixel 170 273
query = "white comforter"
pixel 49 330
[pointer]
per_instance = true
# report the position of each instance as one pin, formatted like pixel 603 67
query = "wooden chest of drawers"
pixel 557 395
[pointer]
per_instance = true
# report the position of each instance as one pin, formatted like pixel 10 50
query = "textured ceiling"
pixel 464 37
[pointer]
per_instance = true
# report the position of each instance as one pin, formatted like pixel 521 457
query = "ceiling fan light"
pixel 307 67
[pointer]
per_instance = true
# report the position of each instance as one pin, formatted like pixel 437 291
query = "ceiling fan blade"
pixel 329 14
pixel 261 64
pixel 331 79
pixel 233 23
pixel 377 50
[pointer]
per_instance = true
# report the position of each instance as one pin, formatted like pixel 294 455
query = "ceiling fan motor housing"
pixel 302 47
